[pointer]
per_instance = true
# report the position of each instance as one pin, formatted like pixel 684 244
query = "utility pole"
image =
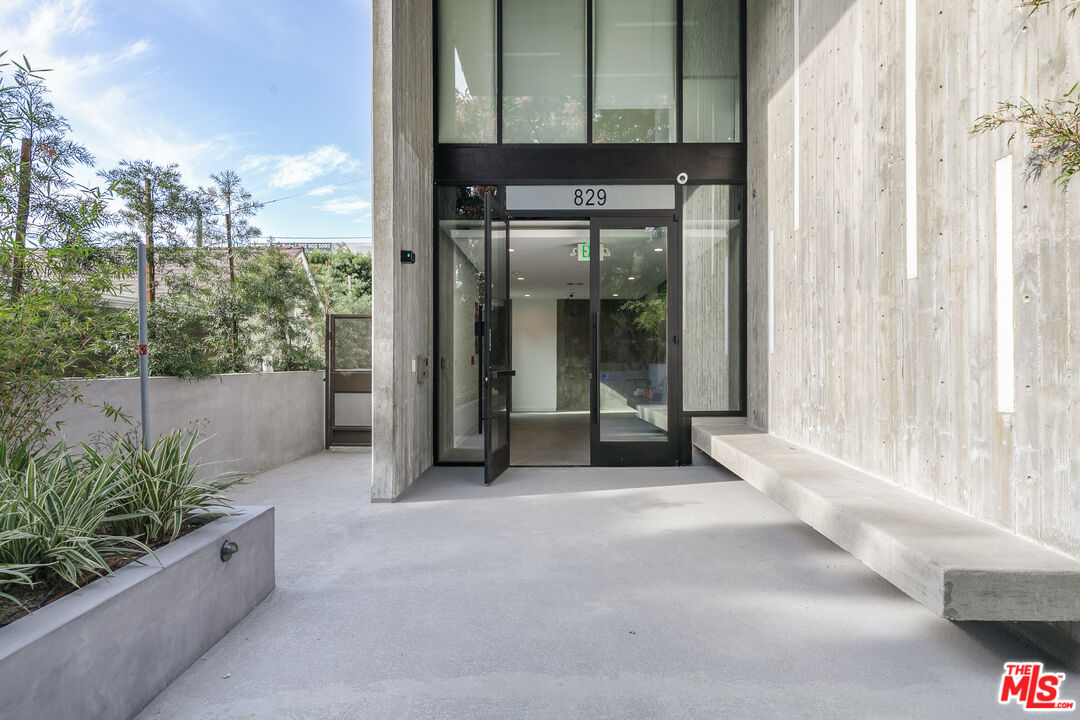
pixel 22 218
pixel 149 240
pixel 144 365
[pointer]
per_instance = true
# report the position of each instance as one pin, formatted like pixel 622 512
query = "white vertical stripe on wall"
pixel 772 294
pixel 727 313
pixel 1003 185
pixel 795 114
pixel 911 140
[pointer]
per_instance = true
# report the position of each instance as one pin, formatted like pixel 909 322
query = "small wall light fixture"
pixel 228 549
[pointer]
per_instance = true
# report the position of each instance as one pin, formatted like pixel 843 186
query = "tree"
pixel 1051 126
pixel 155 206
pixel 343 279
pixel 283 308
pixel 239 208
pixel 53 322
pixel 42 182
pixel 203 216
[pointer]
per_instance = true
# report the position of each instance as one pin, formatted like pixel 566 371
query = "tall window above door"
pixel 634 97
pixel 544 83
pixel 589 71
pixel 467 80
pixel 712 71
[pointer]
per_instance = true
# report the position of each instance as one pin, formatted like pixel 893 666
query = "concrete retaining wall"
pixel 106 650
pixel 257 421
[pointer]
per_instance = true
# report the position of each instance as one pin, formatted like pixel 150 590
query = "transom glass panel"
pixel 467 71
pixel 634 65
pixel 544 83
pixel 712 71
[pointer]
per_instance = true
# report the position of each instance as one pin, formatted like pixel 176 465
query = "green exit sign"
pixel 583 252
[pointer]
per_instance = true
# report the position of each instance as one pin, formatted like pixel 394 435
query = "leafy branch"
pixel 1051 126
pixel 1036 5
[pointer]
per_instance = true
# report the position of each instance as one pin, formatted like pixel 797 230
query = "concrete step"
pixel 956 565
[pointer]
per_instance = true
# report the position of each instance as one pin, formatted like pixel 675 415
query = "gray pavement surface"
pixel 576 593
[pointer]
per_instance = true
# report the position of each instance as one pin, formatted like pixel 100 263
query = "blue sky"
pixel 278 90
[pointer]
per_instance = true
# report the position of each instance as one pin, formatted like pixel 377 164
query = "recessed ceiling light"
pixel 614 294
pixel 520 277
pixel 528 295
pixel 631 277
pixel 658 249
pixel 511 249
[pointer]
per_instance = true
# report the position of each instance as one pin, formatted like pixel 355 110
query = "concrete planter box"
pixel 108 649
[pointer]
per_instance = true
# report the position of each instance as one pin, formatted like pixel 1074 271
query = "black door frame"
pixel 496 459
pixel 629 453
pixel 679 422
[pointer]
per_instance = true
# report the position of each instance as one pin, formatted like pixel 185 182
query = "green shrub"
pixel 68 516
pixel 13 575
pixel 160 487
pixel 55 515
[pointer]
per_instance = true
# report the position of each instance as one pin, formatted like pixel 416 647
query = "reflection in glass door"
pixel 631 348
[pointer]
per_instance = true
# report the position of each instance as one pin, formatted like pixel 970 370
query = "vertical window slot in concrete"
pixel 1006 392
pixel 911 142
pixel 772 296
pixel 796 140
pixel 727 312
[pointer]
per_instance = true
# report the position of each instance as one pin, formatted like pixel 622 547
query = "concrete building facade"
pixel 905 291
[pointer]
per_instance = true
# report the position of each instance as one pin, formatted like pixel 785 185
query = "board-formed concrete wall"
pixel 891 374
pixel 403 164
pixel 250 422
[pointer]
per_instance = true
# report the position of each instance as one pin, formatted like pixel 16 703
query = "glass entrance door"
pixel 634 369
pixel 496 340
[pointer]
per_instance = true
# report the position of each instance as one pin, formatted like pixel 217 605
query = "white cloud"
pixel 346 205
pixel 324 190
pixel 289 171
pixel 134 50
pixel 106 102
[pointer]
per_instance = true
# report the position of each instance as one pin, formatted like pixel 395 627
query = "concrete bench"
pixel 956 565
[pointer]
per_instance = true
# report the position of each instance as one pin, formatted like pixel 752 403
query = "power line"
pixel 307 237
pixel 309 192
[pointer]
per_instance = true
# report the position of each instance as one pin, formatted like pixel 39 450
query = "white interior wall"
pixel 534 355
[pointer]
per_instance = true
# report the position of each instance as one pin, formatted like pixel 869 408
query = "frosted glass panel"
pixel 467 67
pixel 544 84
pixel 712 83
pixel 634 86
pixel 713 254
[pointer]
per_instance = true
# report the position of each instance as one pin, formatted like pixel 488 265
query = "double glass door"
pixel 632 340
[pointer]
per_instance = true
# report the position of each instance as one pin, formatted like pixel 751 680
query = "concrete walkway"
pixel 576 593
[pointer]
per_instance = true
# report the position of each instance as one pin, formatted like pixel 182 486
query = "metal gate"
pixel 348 380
